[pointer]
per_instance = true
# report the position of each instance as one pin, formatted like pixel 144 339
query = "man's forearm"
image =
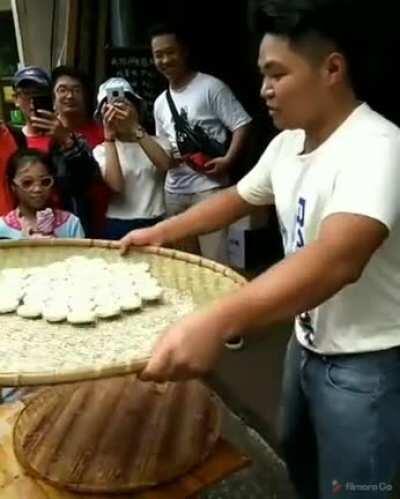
pixel 207 216
pixel 283 291
pixel 306 278
pixel 238 142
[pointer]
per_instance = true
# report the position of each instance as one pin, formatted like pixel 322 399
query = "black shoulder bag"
pixel 191 140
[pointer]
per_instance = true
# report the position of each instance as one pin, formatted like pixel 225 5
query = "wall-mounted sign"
pixel 136 66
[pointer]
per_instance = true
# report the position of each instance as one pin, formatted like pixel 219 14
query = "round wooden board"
pixel 116 435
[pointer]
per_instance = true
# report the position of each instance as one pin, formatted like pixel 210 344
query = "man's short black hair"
pixel 167 28
pixel 316 26
pixel 72 72
pixel 303 20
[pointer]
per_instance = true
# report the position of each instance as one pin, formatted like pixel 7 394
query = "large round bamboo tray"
pixel 116 435
pixel 202 279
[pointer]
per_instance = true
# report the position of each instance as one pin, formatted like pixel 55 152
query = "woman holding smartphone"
pixel 132 162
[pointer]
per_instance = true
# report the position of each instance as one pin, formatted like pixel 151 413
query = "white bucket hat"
pixel 114 84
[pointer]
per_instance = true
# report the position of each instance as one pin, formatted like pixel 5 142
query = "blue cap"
pixel 32 74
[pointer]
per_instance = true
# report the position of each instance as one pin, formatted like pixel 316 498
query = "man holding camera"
pixel 45 131
pixel 201 101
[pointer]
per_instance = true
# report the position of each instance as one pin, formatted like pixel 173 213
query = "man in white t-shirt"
pixel 201 100
pixel 333 174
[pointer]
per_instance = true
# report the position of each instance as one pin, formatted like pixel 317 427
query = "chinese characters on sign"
pixel 136 66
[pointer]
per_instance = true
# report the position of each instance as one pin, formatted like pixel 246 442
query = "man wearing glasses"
pixel 46 131
pixel 72 105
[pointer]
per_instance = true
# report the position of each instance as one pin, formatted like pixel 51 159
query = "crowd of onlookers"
pixel 69 172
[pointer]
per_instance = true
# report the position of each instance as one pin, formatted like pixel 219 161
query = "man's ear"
pixel 335 69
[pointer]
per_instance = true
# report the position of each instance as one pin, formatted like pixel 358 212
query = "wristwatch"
pixel 139 132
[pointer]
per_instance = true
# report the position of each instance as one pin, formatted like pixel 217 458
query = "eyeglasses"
pixel 27 184
pixel 62 90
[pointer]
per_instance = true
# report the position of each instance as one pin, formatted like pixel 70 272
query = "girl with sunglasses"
pixel 30 180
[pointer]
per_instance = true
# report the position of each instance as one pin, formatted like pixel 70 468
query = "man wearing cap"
pixel 44 130
pixel 42 126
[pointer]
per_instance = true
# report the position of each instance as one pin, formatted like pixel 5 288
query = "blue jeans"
pixel 340 423
pixel 115 228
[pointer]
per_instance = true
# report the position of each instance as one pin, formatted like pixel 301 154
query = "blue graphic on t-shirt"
pixel 304 319
pixel 300 220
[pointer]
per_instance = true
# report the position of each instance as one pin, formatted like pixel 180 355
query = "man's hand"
pixel 151 236
pixel 51 125
pixel 217 167
pixel 188 349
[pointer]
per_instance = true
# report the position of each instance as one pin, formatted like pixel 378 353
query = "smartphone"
pixel 115 94
pixel 198 161
pixel 44 102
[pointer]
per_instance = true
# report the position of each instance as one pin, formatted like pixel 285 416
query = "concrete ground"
pixel 265 478
pixel 249 383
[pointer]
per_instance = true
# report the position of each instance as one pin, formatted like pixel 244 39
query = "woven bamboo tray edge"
pixel 114 245
pixel 53 378
pixel 214 436
pixel 44 378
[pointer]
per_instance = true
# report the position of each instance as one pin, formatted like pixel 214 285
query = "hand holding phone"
pixel 43 102
pixel 197 161
pixel 46 122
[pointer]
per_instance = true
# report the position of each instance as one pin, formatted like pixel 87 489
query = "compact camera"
pixel 115 94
